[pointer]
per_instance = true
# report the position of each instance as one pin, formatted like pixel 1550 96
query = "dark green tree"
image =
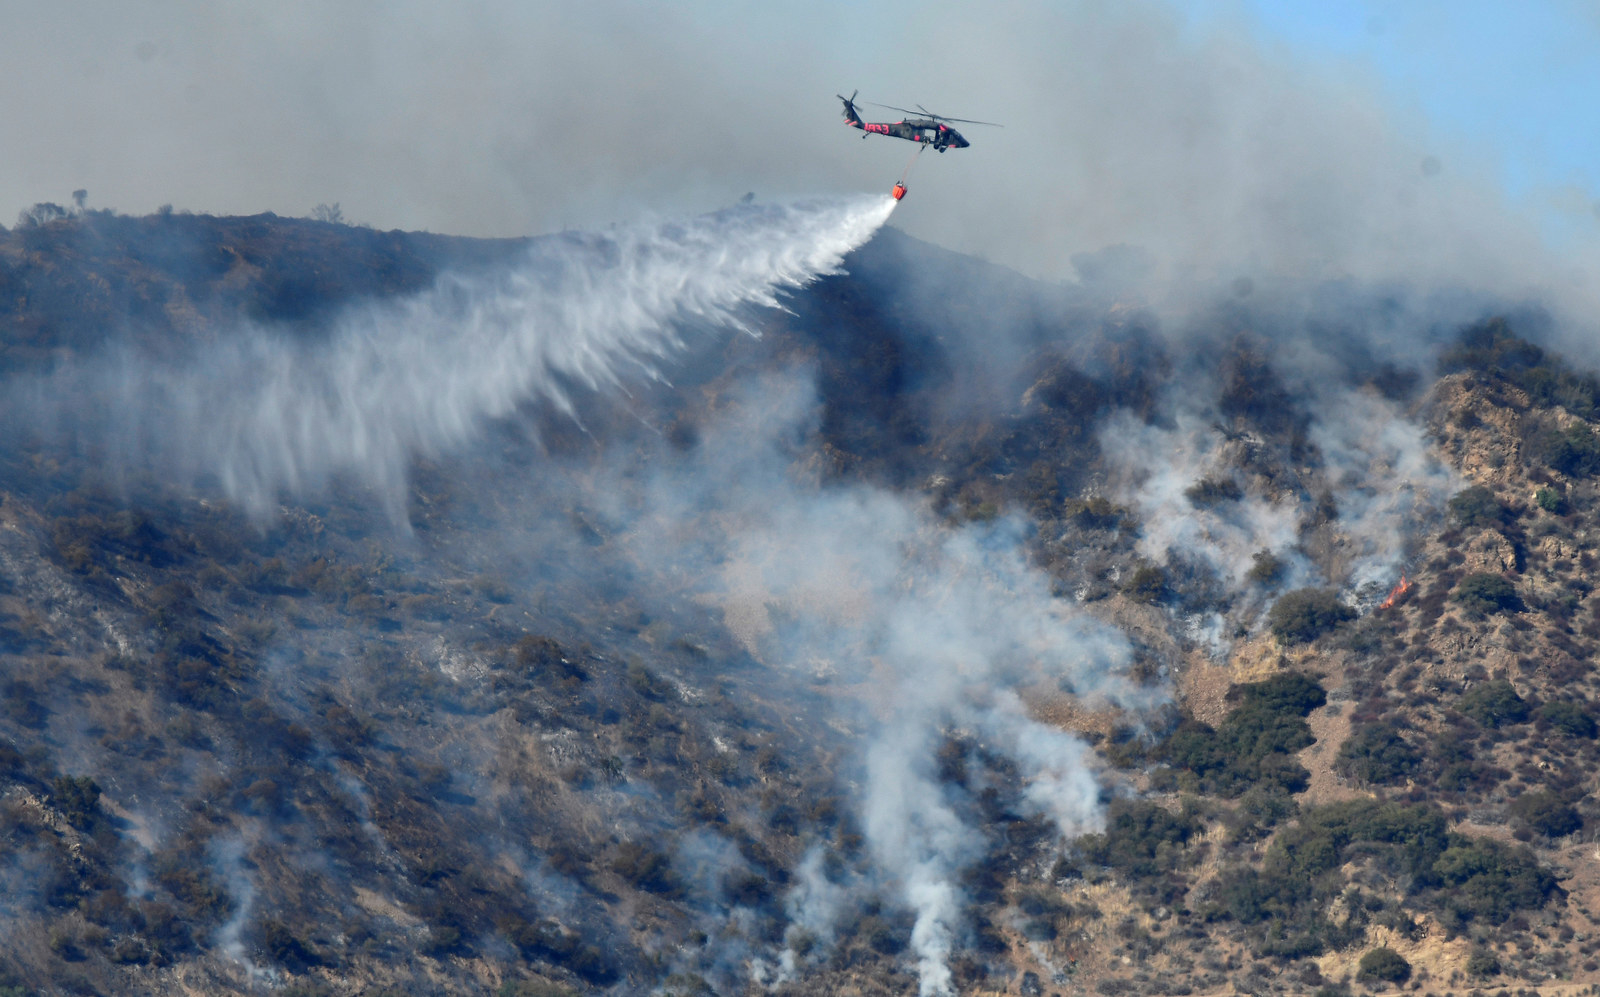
pixel 1208 492
pixel 1482 963
pixel 78 799
pixel 1147 584
pixel 1574 451
pixel 1384 965
pixel 1546 813
pixel 1378 755
pixel 1142 839
pixel 1301 616
pixel 1254 745
pixel 1494 704
pixel 1485 592
pixel 1266 569
pixel 1567 718
pixel 1478 508
pixel 1550 500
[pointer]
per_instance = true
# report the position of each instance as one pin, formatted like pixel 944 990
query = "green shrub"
pixel 1485 592
pixel 1567 718
pixel 686 985
pixel 1043 901
pixel 546 660
pixel 1255 743
pixel 1258 812
pixel 645 868
pixel 78 799
pixel 648 684
pixel 1284 898
pixel 1208 492
pixel 747 889
pixel 1491 348
pixel 1482 963
pixel 1384 965
pixel 1288 693
pixel 1266 569
pixel 1095 513
pixel 288 950
pixel 1478 508
pixel 128 951
pixel 1147 584
pixel 1301 616
pixel 1546 813
pixel 1470 777
pixel 1574 451
pixel 1142 839
pixel 24 705
pixel 1494 704
pixel 1550 501
pixel 1376 754
pixel 1252 390
pixel 548 940
pixel 167 932
pixel 1486 880
pixel 880 935
pixel 442 940
pixel 1319 843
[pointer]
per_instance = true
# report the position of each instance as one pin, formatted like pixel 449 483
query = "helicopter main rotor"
pixel 929 114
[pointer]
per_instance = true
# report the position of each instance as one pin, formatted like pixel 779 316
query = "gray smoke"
pixel 1128 123
pixel 1153 467
pixel 1374 461
pixel 915 627
pixel 1224 165
pixel 912 627
pixel 228 862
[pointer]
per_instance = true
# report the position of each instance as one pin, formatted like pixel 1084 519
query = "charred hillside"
pixel 941 629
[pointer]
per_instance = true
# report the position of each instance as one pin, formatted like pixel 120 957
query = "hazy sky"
pixel 1516 80
pixel 1222 135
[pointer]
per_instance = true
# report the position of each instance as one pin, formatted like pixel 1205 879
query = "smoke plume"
pixel 909 629
pixel 267 415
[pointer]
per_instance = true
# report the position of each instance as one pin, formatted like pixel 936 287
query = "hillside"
pixel 940 629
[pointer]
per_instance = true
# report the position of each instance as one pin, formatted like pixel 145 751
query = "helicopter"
pixel 929 130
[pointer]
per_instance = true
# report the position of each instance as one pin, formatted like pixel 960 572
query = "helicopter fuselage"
pixel 940 136
pixel 923 131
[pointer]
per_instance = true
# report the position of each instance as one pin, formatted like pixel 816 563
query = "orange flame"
pixel 1397 592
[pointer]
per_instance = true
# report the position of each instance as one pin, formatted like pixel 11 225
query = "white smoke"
pixel 920 626
pixel 227 861
pixel 927 627
pixel 814 905
pixel 1398 480
pixel 267 414
pixel 1153 468
pixel 1376 461
pixel 969 623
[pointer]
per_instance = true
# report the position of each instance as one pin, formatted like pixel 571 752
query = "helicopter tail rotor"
pixel 851 118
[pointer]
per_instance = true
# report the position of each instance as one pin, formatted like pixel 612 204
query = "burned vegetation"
pixel 495 747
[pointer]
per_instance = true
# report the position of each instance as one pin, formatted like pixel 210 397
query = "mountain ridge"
pixel 240 752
